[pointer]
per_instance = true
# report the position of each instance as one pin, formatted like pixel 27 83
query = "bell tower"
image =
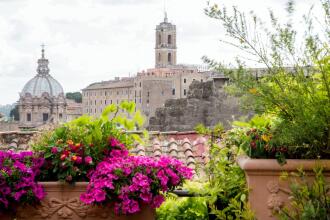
pixel 165 49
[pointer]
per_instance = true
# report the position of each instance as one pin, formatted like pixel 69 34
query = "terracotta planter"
pixel 6 216
pixel 62 202
pixel 267 192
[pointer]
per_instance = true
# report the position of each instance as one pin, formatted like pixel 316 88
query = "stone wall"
pixel 8 126
pixel 16 140
pixel 206 103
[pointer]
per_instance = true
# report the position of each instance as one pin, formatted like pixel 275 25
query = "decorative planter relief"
pixel 267 192
pixel 62 202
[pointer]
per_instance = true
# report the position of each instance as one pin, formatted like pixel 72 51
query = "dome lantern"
pixel 43 82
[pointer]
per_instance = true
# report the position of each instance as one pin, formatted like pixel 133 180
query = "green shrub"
pixel 295 84
pixel 174 208
pixel 308 200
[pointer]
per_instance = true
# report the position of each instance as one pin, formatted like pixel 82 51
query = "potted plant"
pixel 18 186
pixel 291 94
pixel 96 150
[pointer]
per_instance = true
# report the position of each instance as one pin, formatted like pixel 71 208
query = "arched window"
pixel 169 39
pixel 159 39
pixel 169 58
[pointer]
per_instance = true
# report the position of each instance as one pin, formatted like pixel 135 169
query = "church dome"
pixel 43 82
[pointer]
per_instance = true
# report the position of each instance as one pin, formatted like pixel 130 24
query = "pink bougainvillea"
pixel 130 181
pixel 18 173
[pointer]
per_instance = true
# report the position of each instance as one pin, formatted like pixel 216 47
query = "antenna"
pixel 165 13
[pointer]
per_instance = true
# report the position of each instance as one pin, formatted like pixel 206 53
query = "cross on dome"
pixel 43 51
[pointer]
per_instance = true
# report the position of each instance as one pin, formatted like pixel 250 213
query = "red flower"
pixel 63 156
pixel 253 145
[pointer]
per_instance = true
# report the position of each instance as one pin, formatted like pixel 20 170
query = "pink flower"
pixel 119 153
pixel 19 194
pixel 99 195
pixel 114 142
pixel 146 197
pixel 78 160
pixel 87 198
pixel 54 150
pixel 157 201
pixel 88 160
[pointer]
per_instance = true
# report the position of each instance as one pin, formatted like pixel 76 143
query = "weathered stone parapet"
pixel 16 140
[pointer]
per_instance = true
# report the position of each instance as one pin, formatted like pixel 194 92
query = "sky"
pixel 94 40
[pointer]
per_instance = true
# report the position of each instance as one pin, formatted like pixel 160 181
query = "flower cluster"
pixel 260 145
pixel 18 173
pixel 72 159
pixel 127 182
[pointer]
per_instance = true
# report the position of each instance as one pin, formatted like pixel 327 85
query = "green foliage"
pixel 76 96
pixel 215 131
pixel 309 199
pixel 91 135
pixel 227 187
pixel 183 209
pixel 299 96
pixel 255 138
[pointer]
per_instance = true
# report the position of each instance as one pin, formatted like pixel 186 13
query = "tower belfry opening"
pixel 165 49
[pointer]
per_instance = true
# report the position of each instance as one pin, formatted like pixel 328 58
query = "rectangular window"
pixel 184 80
pixel 184 92
pixel 105 101
pixel 173 91
pixel 28 116
pixel 60 115
pixel 44 116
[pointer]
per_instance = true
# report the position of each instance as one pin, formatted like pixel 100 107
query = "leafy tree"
pixel 14 113
pixel 75 96
pixel 295 84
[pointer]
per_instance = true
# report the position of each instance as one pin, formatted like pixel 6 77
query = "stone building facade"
pixel 42 99
pixel 149 89
pixel 73 110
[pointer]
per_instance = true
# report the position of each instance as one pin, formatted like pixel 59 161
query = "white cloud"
pixel 94 40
